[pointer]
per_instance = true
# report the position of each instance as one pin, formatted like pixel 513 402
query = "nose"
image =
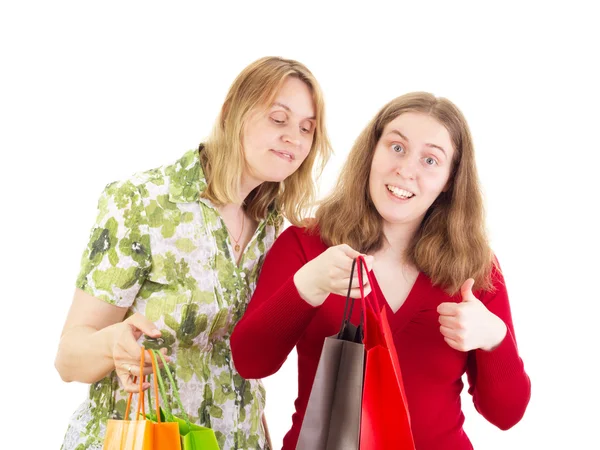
pixel 406 168
pixel 292 136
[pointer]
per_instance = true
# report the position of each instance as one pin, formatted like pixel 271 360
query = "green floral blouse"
pixel 161 250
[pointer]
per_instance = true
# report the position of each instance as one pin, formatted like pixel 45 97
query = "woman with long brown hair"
pixel 175 252
pixel 408 199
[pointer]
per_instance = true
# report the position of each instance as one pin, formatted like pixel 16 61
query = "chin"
pixel 392 217
pixel 276 177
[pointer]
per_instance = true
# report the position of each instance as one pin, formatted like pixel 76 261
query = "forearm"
pixel 266 335
pixel 502 389
pixel 85 354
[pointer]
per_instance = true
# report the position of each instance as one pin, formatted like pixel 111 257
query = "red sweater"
pixel 278 319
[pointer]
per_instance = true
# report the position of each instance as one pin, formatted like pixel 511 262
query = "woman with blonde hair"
pixel 174 255
pixel 408 200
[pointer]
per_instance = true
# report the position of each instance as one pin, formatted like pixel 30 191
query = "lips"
pixel 289 156
pixel 399 192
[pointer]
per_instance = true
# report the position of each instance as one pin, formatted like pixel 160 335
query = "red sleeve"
pixel 276 316
pixel 498 383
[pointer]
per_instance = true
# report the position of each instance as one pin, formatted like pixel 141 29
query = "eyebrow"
pixel 287 108
pixel 428 144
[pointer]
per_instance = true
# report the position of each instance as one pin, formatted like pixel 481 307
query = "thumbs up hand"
pixel 469 325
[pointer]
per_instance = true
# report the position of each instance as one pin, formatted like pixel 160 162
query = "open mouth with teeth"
pixel 400 193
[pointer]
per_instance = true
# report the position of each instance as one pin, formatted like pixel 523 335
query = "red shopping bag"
pixel 385 419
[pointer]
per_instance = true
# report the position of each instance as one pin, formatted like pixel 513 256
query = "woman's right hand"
pixel 329 273
pixel 126 352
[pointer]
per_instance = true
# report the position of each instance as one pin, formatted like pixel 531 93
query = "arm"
pixel 85 348
pixel 498 382
pixel 95 340
pixel 293 283
pixel 276 316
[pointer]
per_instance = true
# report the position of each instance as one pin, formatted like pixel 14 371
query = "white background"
pixel 91 92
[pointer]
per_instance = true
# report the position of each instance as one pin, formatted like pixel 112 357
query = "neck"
pixel 247 185
pixel 397 238
pixel 232 210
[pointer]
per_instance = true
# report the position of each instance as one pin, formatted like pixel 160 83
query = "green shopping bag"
pixel 193 437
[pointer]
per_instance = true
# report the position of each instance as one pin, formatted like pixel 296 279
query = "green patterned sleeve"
pixel 117 258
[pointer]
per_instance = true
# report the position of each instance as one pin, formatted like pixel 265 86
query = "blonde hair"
pixel 451 244
pixel 223 157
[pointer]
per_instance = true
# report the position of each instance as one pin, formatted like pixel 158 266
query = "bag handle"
pixel 349 301
pixel 365 300
pixel 374 301
pixel 163 391
pixel 141 407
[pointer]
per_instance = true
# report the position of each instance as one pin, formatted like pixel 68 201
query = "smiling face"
pixel 411 166
pixel 277 140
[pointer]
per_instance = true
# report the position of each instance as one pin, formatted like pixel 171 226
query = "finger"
pixel 159 361
pixel 144 325
pixel 466 290
pixel 355 293
pixel 450 322
pixel 364 271
pixel 132 384
pixel 454 344
pixel 348 251
pixel 132 368
pixel 356 283
pixel 127 348
pixel 343 264
pixel 448 309
pixel 369 259
pixel 450 333
pixel 339 285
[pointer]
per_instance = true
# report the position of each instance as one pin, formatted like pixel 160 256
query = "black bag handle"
pixel 349 307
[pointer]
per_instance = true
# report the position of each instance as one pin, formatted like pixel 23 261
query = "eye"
pixel 430 161
pixel 306 127
pixel 278 117
pixel 397 148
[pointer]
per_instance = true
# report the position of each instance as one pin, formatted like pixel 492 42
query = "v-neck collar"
pixel 411 305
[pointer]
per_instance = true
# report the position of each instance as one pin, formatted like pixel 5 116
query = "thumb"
pixel 466 290
pixel 349 251
pixel 144 325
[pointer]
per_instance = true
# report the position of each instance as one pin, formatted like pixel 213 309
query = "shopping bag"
pixel 140 433
pixel 385 419
pixel 193 437
pixel 357 401
pixel 332 417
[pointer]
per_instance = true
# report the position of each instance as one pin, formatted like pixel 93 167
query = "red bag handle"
pixel 374 301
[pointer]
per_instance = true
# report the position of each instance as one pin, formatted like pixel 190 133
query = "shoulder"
pixel 496 281
pixel 307 238
pixel 181 178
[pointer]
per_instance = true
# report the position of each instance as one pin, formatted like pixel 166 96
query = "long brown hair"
pixel 222 155
pixel 451 243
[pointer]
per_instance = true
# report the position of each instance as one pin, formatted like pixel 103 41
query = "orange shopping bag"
pixel 140 433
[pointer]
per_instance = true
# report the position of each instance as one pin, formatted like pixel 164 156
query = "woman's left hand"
pixel 469 325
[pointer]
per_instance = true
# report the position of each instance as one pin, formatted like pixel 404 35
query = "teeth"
pixel 401 193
